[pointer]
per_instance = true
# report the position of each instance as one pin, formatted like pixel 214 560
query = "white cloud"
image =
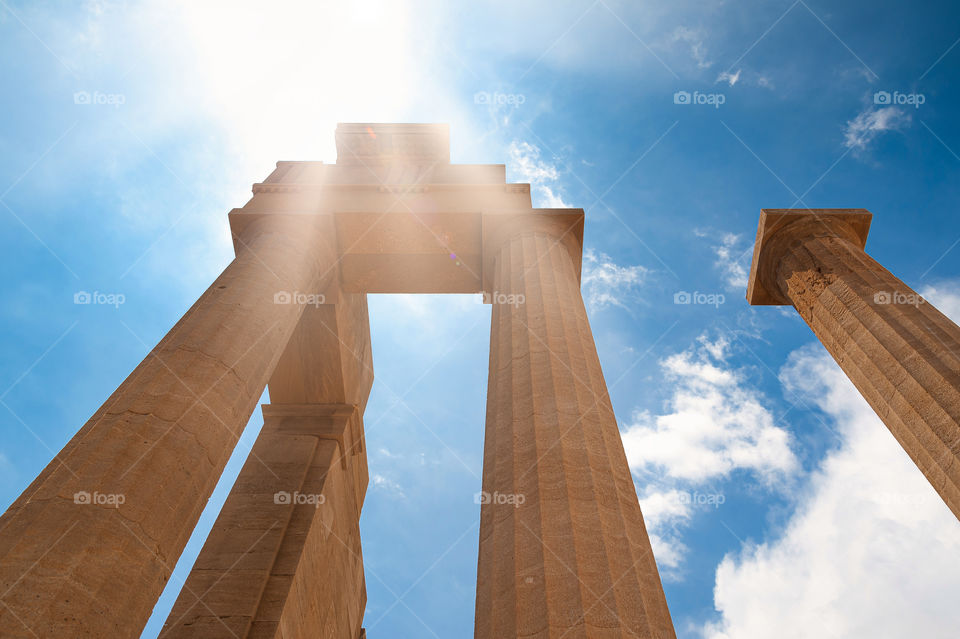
pixel 665 513
pixel 385 484
pixel 606 283
pixel 694 40
pixel 715 425
pixel 526 164
pixel 945 296
pixel 732 260
pixel 864 128
pixel 729 78
pixel 745 77
pixel 871 550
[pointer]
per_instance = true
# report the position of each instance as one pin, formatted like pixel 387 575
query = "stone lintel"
pixel 564 224
pixel 426 187
pixel 761 290
pixel 426 251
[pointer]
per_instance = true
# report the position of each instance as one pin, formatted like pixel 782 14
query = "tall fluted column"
pixel 900 352
pixel 88 547
pixel 563 547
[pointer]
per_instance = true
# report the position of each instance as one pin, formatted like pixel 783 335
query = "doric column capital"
pixel 338 422
pixel 565 226
pixel 781 229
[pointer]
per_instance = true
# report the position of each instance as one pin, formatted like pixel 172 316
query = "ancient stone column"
pixel 283 558
pixel 88 547
pixel 563 547
pixel 900 352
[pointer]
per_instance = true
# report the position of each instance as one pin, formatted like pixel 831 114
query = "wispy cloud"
pixel 715 424
pixel 693 39
pixel 605 283
pixel 870 123
pixel 732 260
pixel 385 484
pixel 526 164
pixel 729 78
pixel 744 77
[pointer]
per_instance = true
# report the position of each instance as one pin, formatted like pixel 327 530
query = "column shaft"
pixel 900 352
pixel 563 547
pixel 88 547
pixel 283 558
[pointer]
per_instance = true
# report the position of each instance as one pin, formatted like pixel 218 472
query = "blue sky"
pixel 778 504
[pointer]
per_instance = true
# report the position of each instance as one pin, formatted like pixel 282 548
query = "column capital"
pixel 779 228
pixel 339 422
pixel 566 225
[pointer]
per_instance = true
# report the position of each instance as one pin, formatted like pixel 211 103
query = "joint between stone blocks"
pixel 323 421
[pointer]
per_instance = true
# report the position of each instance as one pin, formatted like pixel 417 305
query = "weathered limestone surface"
pixel 159 443
pixel 391 216
pixel 300 564
pixel 283 559
pixel 563 547
pixel 900 352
